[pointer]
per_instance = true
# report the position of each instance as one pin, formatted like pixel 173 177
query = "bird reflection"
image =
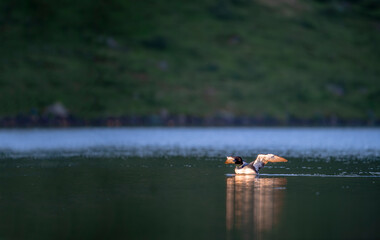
pixel 253 204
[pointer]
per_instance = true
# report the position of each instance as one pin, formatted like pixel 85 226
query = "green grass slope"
pixel 264 58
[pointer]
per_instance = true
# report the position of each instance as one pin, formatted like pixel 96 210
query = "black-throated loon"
pixel 255 166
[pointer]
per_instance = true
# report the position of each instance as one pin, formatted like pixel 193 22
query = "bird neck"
pixel 242 165
pixel 249 166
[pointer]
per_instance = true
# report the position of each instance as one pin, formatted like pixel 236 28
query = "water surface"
pixel 324 142
pixel 160 183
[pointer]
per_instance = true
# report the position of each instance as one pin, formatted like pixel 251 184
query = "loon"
pixel 255 166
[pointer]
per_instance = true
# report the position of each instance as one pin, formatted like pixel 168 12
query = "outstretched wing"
pixel 263 159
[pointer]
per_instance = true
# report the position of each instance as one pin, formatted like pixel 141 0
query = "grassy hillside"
pixel 264 58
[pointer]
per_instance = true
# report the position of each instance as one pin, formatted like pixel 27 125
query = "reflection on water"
pixel 253 204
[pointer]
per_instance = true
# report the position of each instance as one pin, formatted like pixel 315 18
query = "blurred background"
pixel 200 62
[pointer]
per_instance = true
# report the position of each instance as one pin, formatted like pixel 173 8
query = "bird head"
pixel 234 160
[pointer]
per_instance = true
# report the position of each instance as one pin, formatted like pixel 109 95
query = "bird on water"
pixel 254 167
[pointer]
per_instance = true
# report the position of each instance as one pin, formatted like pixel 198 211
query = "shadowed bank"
pixel 198 63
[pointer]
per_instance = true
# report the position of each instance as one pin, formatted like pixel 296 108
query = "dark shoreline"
pixel 23 121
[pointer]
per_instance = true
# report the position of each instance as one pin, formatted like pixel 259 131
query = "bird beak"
pixel 230 160
pixel 281 159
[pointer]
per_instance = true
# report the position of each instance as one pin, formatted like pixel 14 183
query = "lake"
pixel 172 183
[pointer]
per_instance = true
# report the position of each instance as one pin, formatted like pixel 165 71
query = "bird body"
pixel 245 169
pixel 254 167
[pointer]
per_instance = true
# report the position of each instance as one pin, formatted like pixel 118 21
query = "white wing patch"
pixel 263 159
pixel 258 164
